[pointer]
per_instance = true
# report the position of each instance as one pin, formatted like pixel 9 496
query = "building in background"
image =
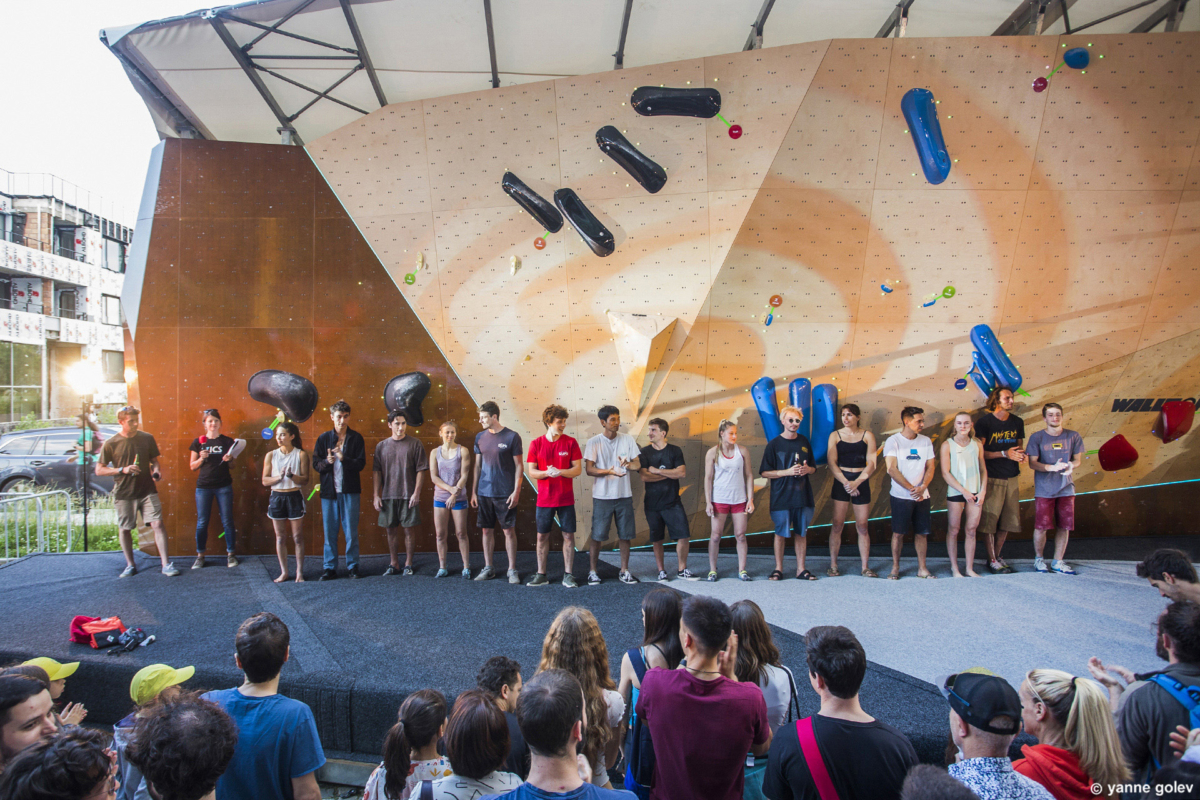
pixel 62 266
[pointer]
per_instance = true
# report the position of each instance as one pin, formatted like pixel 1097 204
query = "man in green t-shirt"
pixel 132 456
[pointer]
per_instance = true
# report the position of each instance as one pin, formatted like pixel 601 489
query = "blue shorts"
pixel 459 506
pixel 792 521
pixel 565 515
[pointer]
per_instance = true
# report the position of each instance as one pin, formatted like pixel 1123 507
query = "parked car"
pixel 47 457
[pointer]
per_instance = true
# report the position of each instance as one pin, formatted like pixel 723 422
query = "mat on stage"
pixel 357 647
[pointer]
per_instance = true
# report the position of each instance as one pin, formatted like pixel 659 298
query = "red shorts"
pixel 1054 513
pixel 726 508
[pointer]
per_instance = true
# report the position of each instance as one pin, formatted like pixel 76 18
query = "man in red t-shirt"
pixel 702 720
pixel 554 460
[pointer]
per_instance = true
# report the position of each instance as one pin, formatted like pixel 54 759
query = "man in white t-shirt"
pixel 609 457
pixel 910 463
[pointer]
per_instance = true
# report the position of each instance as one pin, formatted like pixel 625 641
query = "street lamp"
pixel 85 378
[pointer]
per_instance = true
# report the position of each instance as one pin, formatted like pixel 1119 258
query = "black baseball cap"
pixel 979 696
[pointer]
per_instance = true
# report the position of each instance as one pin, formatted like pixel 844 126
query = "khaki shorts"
pixel 398 514
pixel 1000 507
pixel 127 511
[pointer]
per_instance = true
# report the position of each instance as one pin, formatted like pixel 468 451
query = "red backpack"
pixel 97 632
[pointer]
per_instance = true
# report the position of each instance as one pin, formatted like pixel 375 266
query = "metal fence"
pixel 36 522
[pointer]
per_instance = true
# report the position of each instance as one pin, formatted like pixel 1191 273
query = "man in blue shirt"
pixel 552 717
pixel 278 750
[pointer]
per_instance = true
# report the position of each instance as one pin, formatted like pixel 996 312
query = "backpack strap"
pixel 814 760
pixel 794 705
pixel 426 790
pixel 1188 696
pixel 638 662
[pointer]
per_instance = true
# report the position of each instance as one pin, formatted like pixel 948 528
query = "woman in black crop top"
pixel 851 463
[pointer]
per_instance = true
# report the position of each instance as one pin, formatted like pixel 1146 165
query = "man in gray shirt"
pixel 401 466
pixel 1053 455
pixel 497 488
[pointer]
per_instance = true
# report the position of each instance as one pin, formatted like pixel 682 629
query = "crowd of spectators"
pixel 701 704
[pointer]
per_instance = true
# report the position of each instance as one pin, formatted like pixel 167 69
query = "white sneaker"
pixel 170 570
pixel 628 577
pixel 1062 568
pixel 1039 564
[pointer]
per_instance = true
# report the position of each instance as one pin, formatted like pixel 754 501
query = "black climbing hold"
pixel 295 396
pixel 650 175
pixel 405 393
pixel 658 101
pixel 590 229
pixel 538 207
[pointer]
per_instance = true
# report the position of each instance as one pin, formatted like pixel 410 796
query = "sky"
pixel 67 107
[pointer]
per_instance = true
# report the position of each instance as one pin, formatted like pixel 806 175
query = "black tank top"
pixel 852 455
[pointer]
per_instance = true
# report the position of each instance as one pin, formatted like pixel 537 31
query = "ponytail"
pixel 420 720
pixel 1080 706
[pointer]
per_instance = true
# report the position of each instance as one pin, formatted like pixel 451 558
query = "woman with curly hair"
pixel 574 643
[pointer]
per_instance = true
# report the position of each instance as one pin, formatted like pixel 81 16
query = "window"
pixel 18 445
pixel 112 310
pixel 113 364
pixel 58 444
pixel 20 381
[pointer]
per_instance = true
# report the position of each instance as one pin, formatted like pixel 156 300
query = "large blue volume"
pixel 981 374
pixel 988 345
pixel 763 395
pixel 800 395
pixel 920 111
pixel 824 419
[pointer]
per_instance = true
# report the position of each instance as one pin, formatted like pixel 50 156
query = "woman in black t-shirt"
pixel 211 454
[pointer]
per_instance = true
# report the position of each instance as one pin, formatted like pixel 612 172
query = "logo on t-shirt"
pixel 803 449
pixel 502 446
pixel 913 455
pixel 564 452
pixel 1056 447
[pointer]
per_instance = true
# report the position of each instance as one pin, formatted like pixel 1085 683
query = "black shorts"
pixel 285 505
pixel 672 519
pixel 495 513
pixel 955 498
pixel 910 516
pixel 864 490
pixel 546 515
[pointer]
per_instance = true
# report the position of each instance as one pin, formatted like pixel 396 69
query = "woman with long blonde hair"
pixel 1077 739
pixel 574 643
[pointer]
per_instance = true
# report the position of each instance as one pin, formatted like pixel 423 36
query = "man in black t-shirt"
pixel 501 678
pixel 786 463
pixel 1002 434
pixel 865 758
pixel 661 468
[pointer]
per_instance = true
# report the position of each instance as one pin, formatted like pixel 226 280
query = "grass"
pixel 18 523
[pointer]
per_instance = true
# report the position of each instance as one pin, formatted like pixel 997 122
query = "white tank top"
pixel 964 466
pixel 729 480
pixel 281 461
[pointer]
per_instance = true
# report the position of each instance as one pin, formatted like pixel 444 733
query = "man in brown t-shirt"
pixel 133 456
pixel 400 469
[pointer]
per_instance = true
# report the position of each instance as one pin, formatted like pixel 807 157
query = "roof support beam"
pixel 754 41
pixel 1114 15
pixel 296 36
pixel 897 21
pixel 620 54
pixel 248 68
pixel 1031 17
pixel 1171 11
pixel 180 122
pixel 324 94
pixel 487 15
pixel 278 24
pixel 363 55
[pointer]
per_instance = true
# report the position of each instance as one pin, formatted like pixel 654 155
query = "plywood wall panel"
pixel 726 211
pixel 397 240
pixel 1176 292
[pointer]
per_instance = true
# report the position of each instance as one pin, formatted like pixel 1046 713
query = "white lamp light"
pixel 84 377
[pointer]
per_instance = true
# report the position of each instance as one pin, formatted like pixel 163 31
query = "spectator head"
pixel 608 412
pixel 836 660
pixel 487 411
pixel 58 673
pixel 158 680
pixel 26 714
pixel 704 626
pixel 30 670
pixel 574 643
pixel 552 413
pixel 399 413
pixel 662 608
pixel 293 430
pixel 1179 633
pixel 927 782
pixel 1167 570
pixel 71 764
pixel 854 411
pixel 262 644
pixel 756 646
pixel 477 740
pixel 182 745
pixel 662 425
pixel 985 713
pixel 128 412
pixel 1000 397
pixel 551 714
pixel 500 677
pixel 340 407
pixel 421 721
pixel 1056 705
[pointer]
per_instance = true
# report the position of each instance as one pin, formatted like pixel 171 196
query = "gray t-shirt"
pixel 1053 450
pixel 399 462
pixel 497 470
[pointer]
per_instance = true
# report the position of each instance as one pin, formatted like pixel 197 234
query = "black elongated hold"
pixel 538 207
pixel 645 171
pixel 295 396
pixel 590 229
pixel 660 101
pixel 405 393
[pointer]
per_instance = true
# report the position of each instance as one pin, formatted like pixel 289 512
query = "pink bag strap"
pixel 812 757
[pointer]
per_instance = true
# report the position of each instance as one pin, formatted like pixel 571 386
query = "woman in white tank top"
pixel 285 470
pixel 962 467
pixel 728 492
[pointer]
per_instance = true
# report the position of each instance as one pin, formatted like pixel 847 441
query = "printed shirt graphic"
pixel 997 437
pixel 497 470
pixel 543 454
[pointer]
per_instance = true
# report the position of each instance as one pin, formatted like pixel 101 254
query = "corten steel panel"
pixel 160 288
pixel 166 204
pixel 228 179
pixel 350 287
pixel 158 379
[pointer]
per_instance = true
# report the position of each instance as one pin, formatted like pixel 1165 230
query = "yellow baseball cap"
pixel 150 681
pixel 54 669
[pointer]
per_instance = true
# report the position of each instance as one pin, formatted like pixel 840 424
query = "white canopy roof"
pixel 242 72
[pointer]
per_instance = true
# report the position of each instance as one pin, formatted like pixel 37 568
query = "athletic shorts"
pixel 127 511
pixel 565 515
pixel 1054 513
pixel 729 508
pixel 864 490
pixel 495 513
pixel 910 516
pixel 459 506
pixel 1000 506
pixel 792 521
pixel 398 514
pixel 672 519
pixel 605 511
pixel 285 505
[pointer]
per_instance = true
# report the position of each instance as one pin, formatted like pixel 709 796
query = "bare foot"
pixel 956 574
pixel 283 578
pixel 299 579
pixel 895 576
pixel 925 574
pixel 972 573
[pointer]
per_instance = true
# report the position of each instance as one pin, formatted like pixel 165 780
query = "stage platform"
pixel 359 647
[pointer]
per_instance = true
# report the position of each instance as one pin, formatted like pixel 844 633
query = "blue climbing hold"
pixel 920 111
pixel 267 433
pixel 763 395
pixel 800 395
pixel 960 384
pixel 1077 57
pixel 824 419
pixel 1001 365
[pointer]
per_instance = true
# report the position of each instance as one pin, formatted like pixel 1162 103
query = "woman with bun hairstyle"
pixel 212 453
pixel 410 749
pixel 1077 739
pixel 286 470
